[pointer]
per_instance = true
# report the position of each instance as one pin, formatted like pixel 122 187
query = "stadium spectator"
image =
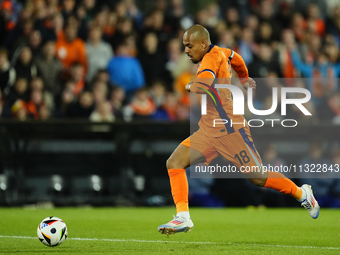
pixel 83 108
pixel 77 76
pixel 284 15
pixel 132 44
pixel 132 12
pixel 247 46
pixel 117 101
pixel 268 22
pixel 18 91
pixel 68 8
pixel 264 63
pixel 65 99
pixel 314 23
pixel 155 22
pixel 297 26
pixel 184 79
pixel 170 106
pixel 35 104
pixel 90 9
pixel 332 50
pixel 252 22
pixel 123 29
pixel 183 110
pixel 329 110
pixel 333 24
pixel 226 39
pixel 265 34
pixel 71 49
pixel 150 54
pixel 102 113
pixel 98 52
pixel 25 67
pixel 7 72
pixel 34 42
pixel 103 76
pixel 18 36
pixel 141 106
pixel 286 62
pixel 158 93
pixel 232 16
pixel 126 71
pixel 50 68
pixel 100 92
pixel 18 110
pixel 7 22
pixel 37 84
pixel 176 62
pixel 109 25
pixel 324 75
pixel 81 22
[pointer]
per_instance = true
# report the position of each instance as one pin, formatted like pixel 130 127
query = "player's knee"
pixel 260 182
pixel 173 163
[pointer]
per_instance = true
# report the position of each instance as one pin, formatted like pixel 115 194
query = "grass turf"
pixel 217 231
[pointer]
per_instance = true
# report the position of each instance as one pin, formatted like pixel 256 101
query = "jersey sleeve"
pixel 206 73
pixel 239 66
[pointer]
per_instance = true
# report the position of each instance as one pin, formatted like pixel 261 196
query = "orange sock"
pixel 279 182
pixel 179 189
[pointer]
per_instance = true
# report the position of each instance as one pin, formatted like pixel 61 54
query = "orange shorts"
pixel 237 147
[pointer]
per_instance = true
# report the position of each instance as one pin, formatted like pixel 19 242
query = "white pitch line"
pixel 181 242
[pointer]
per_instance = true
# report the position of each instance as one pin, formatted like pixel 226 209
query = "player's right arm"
pixel 206 74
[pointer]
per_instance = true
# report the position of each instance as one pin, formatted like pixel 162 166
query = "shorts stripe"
pixel 253 156
pixel 248 142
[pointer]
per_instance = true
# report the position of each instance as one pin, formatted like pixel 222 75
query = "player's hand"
pixel 250 84
pixel 187 87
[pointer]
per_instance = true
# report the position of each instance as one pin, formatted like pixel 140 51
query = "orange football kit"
pixel 234 142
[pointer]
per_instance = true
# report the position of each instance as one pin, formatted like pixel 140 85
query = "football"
pixel 52 231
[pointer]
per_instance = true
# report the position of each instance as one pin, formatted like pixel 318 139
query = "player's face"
pixel 193 48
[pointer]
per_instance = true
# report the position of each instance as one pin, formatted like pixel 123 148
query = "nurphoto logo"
pixel 239 102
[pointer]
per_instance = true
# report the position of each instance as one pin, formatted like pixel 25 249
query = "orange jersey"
pixel 217 63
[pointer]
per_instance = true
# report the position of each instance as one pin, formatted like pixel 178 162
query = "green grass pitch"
pixel 134 231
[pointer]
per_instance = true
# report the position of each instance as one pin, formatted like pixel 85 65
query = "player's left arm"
pixel 241 69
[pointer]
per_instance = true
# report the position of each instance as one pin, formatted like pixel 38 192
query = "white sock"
pixel 304 196
pixel 184 215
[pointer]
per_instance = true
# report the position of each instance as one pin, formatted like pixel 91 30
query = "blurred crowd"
pixel 108 60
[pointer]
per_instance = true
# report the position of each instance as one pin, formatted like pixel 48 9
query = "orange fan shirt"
pixel 70 52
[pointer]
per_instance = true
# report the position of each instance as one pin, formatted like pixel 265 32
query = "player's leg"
pixel 274 180
pixel 191 151
pixel 245 156
pixel 281 183
pixel 182 157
